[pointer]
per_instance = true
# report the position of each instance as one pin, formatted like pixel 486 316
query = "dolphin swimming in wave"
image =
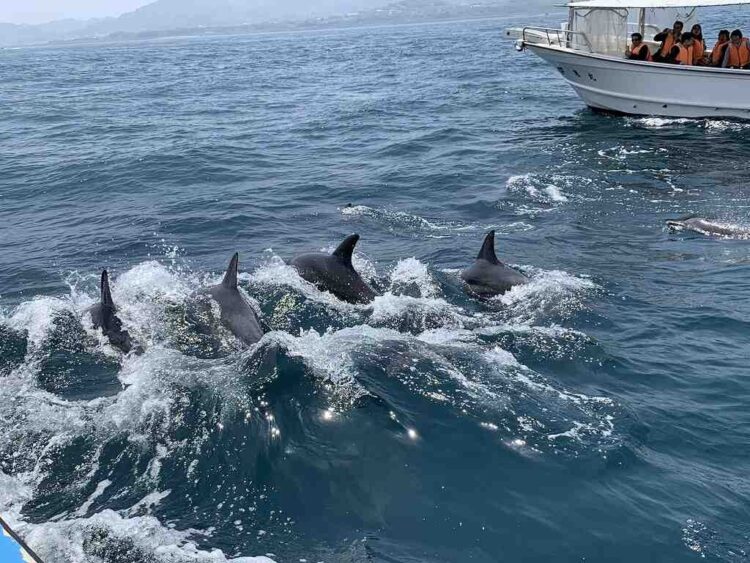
pixel 236 313
pixel 706 227
pixel 104 317
pixel 488 276
pixel 335 273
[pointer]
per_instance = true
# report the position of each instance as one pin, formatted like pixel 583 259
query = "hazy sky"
pixel 39 11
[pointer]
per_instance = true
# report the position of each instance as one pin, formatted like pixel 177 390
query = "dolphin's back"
pixel 237 314
pixel 487 276
pixel 104 317
pixel 314 267
pixel 330 273
pixel 706 227
pixel 487 279
pixel 97 315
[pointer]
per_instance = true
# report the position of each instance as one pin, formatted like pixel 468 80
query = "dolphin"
pixel 488 276
pixel 335 272
pixel 236 313
pixel 706 227
pixel 103 315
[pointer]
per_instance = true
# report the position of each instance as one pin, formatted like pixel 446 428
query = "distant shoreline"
pixel 230 31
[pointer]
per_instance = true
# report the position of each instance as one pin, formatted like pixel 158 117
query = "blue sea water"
pixel 599 413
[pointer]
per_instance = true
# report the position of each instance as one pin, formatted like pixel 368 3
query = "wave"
pixel 719 125
pixel 94 462
pixel 549 294
pixel 545 192
pixel 622 153
pixel 657 122
pixel 109 537
pixel 719 544
pixel 458 371
pixel 400 222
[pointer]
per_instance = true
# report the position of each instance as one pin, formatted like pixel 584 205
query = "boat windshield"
pixel 606 30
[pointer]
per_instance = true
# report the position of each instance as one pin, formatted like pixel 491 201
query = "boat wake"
pixel 718 125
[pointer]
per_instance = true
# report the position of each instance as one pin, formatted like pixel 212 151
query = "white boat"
pixel 12 547
pixel 589 52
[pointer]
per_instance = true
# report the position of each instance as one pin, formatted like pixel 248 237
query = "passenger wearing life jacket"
pixel 737 54
pixel 682 52
pixel 668 38
pixel 699 46
pixel 719 50
pixel 638 49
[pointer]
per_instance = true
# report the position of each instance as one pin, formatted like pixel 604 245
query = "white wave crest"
pixel 411 271
pixel 65 541
pixel 37 316
pixel 548 292
pixel 542 189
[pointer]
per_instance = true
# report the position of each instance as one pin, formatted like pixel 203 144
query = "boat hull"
pixel 12 547
pixel 629 87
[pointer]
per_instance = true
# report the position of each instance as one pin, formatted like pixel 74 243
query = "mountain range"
pixel 179 17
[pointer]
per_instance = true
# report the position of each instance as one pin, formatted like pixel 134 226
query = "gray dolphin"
pixel 335 272
pixel 705 227
pixel 488 276
pixel 236 313
pixel 104 316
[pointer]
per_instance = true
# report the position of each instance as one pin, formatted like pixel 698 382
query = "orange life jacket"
pixel 685 57
pixel 739 56
pixel 635 52
pixel 717 55
pixel 667 44
pixel 699 50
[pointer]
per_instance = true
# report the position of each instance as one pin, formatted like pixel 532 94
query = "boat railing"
pixel 554 37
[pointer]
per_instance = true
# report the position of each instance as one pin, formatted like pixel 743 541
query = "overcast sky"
pixel 40 11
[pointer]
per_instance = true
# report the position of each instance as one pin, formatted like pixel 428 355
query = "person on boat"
pixel 668 38
pixel 638 49
pixel 719 50
pixel 737 54
pixel 699 45
pixel 682 52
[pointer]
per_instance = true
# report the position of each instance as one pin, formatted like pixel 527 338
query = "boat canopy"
pixel 603 26
pixel 635 4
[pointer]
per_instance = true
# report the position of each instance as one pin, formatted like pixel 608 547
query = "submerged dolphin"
pixel 236 313
pixel 335 272
pixel 488 276
pixel 706 227
pixel 104 316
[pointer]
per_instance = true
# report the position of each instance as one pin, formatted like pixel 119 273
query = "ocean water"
pixel 599 413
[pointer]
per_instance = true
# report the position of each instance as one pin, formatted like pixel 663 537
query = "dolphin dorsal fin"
pixel 105 291
pixel 346 249
pixel 230 278
pixel 487 251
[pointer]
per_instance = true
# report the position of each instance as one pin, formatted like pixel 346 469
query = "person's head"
pixel 636 39
pixel 724 35
pixel 697 31
pixel 686 39
pixel 677 27
pixel 736 37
